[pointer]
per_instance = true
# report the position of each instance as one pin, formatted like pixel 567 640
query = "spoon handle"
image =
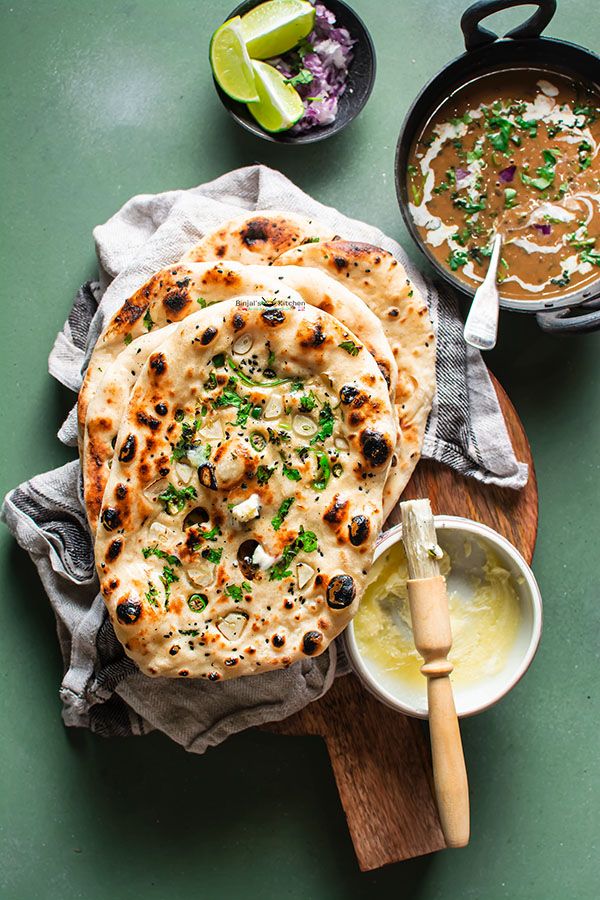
pixel 481 327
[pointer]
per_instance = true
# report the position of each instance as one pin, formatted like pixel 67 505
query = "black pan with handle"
pixel 486 53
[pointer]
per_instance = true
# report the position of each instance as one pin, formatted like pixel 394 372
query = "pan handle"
pixel 568 321
pixel 476 36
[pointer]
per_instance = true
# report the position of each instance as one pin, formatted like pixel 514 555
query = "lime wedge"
pixel 231 65
pixel 279 105
pixel 276 26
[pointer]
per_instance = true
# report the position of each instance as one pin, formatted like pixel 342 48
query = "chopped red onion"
pixel 546 228
pixel 461 174
pixel 507 175
pixel 327 62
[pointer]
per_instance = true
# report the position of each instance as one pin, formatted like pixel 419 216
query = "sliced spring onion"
pixel 245 380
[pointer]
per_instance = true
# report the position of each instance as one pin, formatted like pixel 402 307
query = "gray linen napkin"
pixel 102 689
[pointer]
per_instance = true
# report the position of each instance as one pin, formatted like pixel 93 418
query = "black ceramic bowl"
pixel 521 48
pixel 361 78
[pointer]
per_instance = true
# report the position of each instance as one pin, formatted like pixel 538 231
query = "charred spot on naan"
pixel 129 610
pixel 218 275
pixel 359 530
pixel 337 511
pixel 208 335
pixel 110 518
pixel 273 317
pixel 128 448
pixel 341 592
pixel 114 549
pixel 376 447
pixel 158 363
pixel 275 233
pixel 312 643
pixel 175 302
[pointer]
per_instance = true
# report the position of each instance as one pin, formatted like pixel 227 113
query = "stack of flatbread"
pixel 248 419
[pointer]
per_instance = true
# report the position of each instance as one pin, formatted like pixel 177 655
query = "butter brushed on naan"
pixel 239 519
pixel 258 238
pixel 377 278
pixel 153 306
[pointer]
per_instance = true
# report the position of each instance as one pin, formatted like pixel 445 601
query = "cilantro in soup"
pixel 514 153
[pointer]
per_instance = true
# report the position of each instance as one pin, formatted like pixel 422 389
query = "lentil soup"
pixel 514 152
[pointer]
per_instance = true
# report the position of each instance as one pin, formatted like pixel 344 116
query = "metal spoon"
pixel 481 327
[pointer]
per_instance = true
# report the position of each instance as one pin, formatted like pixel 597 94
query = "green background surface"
pixel 104 100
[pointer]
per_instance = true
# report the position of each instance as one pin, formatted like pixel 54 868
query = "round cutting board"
pixel 380 758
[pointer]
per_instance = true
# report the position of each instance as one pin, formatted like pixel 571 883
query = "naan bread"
pixel 241 511
pixel 258 238
pixel 152 307
pixel 105 412
pixel 380 281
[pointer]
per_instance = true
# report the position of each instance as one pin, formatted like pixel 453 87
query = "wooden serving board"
pixel 380 758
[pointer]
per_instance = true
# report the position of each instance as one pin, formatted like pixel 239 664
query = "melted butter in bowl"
pixel 495 612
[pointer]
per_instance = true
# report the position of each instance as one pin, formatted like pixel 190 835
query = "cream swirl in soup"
pixel 516 152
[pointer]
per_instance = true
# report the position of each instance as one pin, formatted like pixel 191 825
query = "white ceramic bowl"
pixel 452 531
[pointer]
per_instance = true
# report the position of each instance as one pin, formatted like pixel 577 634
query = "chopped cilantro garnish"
pixel 148 321
pixel 234 591
pixel 263 473
pixel 499 139
pixel 186 441
pixel 278 437
pixel 541 184
pixel 458 258
pixel 304 76
pixel 127 340
pixel 305 541
pixel 277 520
pixel 350 347
pixel 218 361
pixel 470 206
pixel 462 237
pixel 292 474
pixel 168 577
pixel 206 535
pixel 461 120
pixel 529 125
pixel 228 398
pixel 151 595
pixel 308 402
pixel 510 198
pixel 156 551
pixel 213 556
pixel 175 500
pixel 326 420
pixel 201 302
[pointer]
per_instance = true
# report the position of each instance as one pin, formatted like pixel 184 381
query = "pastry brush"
pixel 433 639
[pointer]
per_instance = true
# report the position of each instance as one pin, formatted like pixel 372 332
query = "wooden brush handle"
pixel 449 771
pixel 433 640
